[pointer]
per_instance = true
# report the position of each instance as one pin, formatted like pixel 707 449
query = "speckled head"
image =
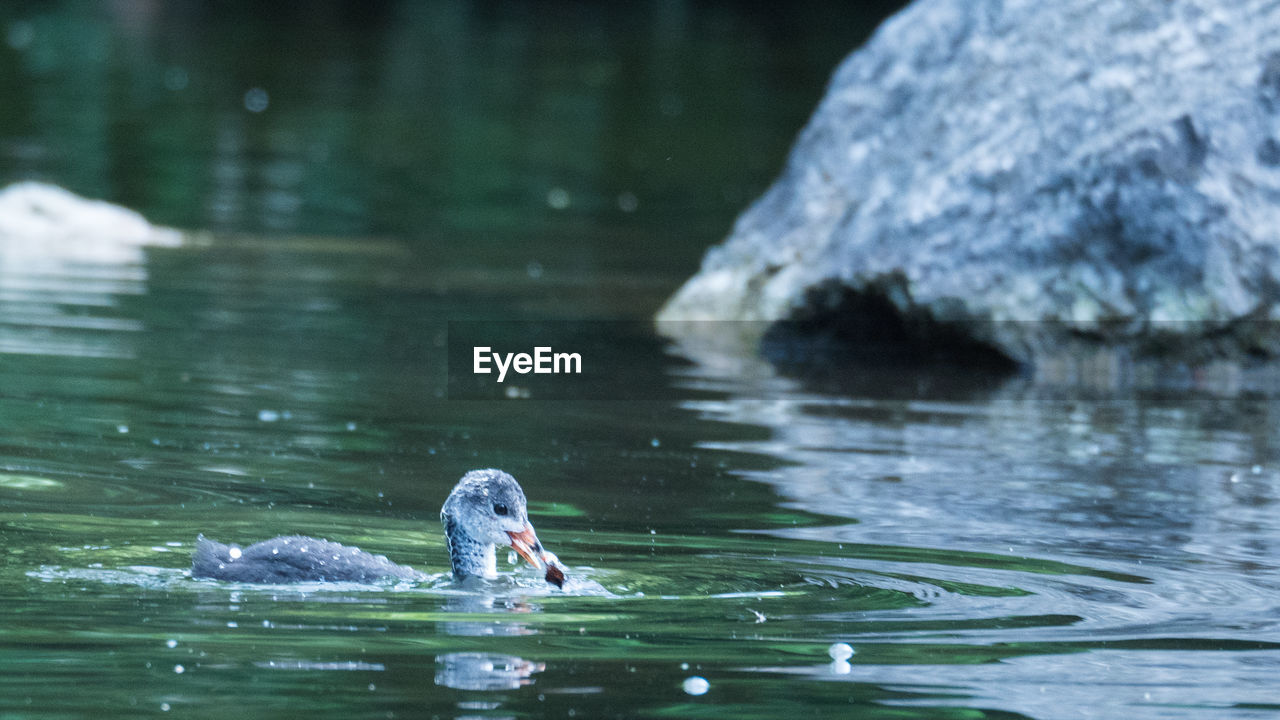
pixel 487 508
pixel 487 504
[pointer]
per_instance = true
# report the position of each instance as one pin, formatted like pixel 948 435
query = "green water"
pixel 988 548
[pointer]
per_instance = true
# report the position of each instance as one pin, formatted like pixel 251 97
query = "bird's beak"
pixel 526 543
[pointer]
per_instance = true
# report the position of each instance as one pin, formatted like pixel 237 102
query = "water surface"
pixel 1005 547
pixel 986 548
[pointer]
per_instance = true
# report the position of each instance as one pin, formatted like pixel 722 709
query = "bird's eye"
pixel 499 509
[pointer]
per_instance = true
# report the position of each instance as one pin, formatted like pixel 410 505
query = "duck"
pixel 485 510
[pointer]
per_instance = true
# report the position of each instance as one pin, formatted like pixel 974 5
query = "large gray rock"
pixel 1108 169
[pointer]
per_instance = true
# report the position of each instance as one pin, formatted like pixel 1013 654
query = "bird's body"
pixel 296 558
pixel 487 508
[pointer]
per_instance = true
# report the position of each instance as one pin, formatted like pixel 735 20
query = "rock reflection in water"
pixel 1082 472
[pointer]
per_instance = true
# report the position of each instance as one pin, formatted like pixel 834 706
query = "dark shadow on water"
pixel 870 330
pixel 835 367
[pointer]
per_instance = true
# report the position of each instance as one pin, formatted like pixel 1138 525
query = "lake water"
pixel 985 547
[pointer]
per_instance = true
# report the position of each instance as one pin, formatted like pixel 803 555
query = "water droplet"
pixel 268 415
pixel 655 442
pixel 171 643
pixel 696 685
pixel 558 198
pixel 628 202
pixel 164 707
pixel 533 269
pixel 122 429
pixel 840 651
pixel 179 669
pixel 351 427
pixel 256 100
pixel 234 553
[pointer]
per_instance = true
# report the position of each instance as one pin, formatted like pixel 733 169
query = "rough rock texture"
pixel 1108 169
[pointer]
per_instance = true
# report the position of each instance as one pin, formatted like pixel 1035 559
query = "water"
pixel 985 547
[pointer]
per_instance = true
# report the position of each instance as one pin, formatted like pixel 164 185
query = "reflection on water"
pixel 411 118
pixel 493 616
pixel 65 264
pixel 995 547
pixel 485 671
pixel 1162 505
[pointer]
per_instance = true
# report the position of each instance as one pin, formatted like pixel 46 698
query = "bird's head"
pixel 489 507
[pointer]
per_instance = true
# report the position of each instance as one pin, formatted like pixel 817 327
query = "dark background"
pixel 561 136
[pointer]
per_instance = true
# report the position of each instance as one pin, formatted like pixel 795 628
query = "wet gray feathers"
pixel 467 555
pixel 298 558
pixel 295 558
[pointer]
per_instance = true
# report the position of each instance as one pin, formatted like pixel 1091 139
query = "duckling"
pixel 487 508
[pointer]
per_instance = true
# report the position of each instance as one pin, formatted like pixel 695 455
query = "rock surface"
pixel 1030 173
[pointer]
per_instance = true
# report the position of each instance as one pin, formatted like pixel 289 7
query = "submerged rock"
pixel 1024 174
